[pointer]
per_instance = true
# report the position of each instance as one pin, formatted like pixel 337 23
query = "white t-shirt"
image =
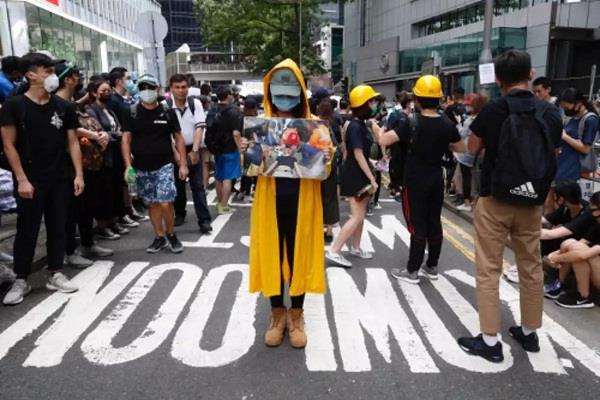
pixel 188 122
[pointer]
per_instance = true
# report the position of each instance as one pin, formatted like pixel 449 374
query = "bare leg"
pixel 582 275
pixel 357 209
pixel 219 189
pixel 156 219
pixel 225 192
pixel 168 215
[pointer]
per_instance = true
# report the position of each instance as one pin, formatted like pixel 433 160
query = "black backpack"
pixel 526 162
pixel 214 137
pixel 401 151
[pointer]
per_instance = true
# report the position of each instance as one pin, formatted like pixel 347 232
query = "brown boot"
pixel 296 328
pixel 274 335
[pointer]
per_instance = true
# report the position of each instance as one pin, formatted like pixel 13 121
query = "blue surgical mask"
pixel 286 103
pixel 131 87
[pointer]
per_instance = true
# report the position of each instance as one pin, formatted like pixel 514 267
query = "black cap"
pixel 321 93
pixel 30 60
pixel 66 69
pixel 250 102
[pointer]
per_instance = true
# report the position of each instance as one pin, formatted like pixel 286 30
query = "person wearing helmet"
pixel 428 135
pixel 286 224
pixel 358 181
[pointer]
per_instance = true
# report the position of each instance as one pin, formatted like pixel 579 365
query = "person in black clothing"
pixel 582 256
pixel 37 127
pixel 398 150
pixel 428 136
pixel 358 180
pixel 148 132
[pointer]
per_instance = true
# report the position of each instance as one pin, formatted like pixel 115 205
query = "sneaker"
pixel 95 251
pixel 369 210
pixel 553 290
pixel 205 228
pixel 119 229
pixel 157 245
pixel 7 274
pixel 377 206
pixel 224 210
pixel 179 220
pixel 128 222
pixel 77 261
pixel 529 343
pixel 6 258
pixel 60 283
pixel 476 346
pixel 464 207
pixel 430 272
pixel 404 275
pixel 17 292
pixel 107 234
pixel 360 253
pixel 338 259
pixel 174 244
pixel 511 274
pixel 574 300
pixel 137 217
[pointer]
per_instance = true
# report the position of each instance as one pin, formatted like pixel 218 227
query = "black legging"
pixel 287 216
pixel 466 181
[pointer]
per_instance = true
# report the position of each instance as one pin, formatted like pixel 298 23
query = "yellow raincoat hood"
pixel 309 263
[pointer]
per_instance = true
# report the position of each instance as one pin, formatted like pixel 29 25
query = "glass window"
pixel 34 28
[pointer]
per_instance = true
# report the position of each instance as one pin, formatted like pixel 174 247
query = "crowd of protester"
pixel 132 147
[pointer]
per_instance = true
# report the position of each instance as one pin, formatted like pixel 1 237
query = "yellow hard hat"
pixel 428 86
pixel 361 94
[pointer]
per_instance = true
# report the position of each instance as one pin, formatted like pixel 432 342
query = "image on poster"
pixel 286 147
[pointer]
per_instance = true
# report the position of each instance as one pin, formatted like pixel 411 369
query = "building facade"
pixel 183 23
pixel 389 43
pixel 95 34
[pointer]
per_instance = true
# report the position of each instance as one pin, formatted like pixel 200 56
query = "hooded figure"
pixel 286 228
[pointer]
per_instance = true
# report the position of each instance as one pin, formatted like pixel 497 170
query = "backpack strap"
pixel 191 104
pixel 133 111
pixel 581 126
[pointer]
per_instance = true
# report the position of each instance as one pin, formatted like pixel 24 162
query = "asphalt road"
pixel 185 327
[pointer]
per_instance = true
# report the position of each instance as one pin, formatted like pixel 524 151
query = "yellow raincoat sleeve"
pixel 309 262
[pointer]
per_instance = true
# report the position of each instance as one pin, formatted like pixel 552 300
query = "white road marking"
pixel 240 333
pixel 378 311
pixel 81 311
pixel 208 241
pixel 590 358
pixel 320 348
pixel 98 348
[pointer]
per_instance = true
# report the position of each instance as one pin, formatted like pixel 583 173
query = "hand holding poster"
pixel 286 147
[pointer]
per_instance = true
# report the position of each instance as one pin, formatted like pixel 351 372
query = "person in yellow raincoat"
pixel 286 227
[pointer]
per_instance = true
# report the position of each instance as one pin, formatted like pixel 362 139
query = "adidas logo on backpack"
pixel 525 190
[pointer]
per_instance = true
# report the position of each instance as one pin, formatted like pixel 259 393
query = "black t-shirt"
pixel 231 120
pixel 561 216
pixel 358 136
pixel 488 125
pixel 151 134
pixel 119 107
pixel 581 224
pixel 592 236
pixel 433 136
pixel 456 110
pixel 42 137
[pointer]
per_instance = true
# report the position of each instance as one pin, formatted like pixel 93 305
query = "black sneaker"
pixel 157 245
pixel 574 300
pixel 477 347
pixel 179 220
pixel 529 343
pixel 174 243
pixel 107 234
pixel 205 228
pixel 119 229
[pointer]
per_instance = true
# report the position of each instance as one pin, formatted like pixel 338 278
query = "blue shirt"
pixel 6 86
pixel 569 160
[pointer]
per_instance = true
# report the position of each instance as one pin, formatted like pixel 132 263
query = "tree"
pixel 267 30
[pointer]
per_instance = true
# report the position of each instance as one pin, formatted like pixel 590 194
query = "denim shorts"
pixel 157 186
pixel 227 166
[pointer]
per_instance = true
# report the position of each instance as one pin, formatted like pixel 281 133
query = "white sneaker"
pixel 17 292
pixel 464 207
pixel 95 251
pixel 360 253
pixel 77 261
pixel 7 274
pixel 377 206
pixel 511 274
pixel 59 282
pixel 6 258
pixel 338 259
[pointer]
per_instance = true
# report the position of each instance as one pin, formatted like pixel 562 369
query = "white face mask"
pixel 148 96
pixel 51 83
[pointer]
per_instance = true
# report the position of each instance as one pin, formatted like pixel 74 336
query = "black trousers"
pixel 50 200
pixel 287 216
pixel 198 194
pixel 466 181
pixel 422 201
pixel 119 209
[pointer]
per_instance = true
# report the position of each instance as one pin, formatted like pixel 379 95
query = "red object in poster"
pixel 55 2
